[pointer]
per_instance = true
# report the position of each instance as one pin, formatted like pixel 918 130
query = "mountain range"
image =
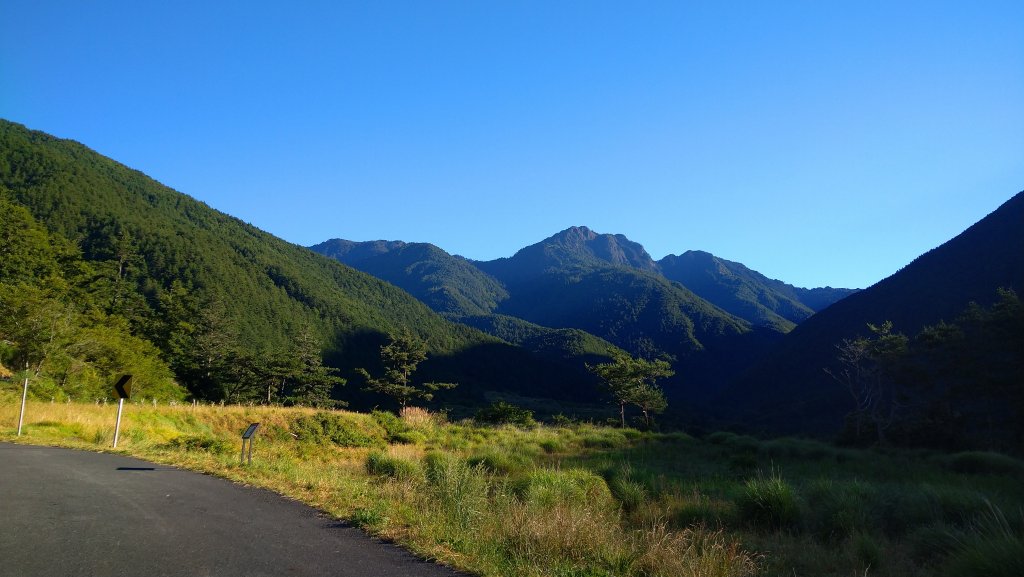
pixel 752 351
pixel 459 287
pixel 164 277
pixel 604 287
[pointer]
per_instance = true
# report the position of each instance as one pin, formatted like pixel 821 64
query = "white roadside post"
pixel 24 395
pixel 123 389
pixel 117 425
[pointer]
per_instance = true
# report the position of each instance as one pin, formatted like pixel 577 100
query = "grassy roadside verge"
pixel 583 500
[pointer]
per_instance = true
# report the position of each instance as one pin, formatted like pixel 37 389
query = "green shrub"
pixel 734 443
pixel 983 463
pixel 409 438
pixel 898 508
pixel 790 448
pixel 930 543
pixel 502 413
pixel 867 550
pixel 550 487
pixel 552 446
pixel 206 443
pixel 837 509
pixel 769 502
pixel 743 463
pixel 956 505
pixel 719 437
pixel 343 429
pixel 498 461
pixel 384 465
pixel 604 439
pixel 676 437
pixel 561 420
pixel 459 489
pixel 991 546
pixel 374 517
pixel 628 491
pixel 392 423
pixel 700 510
pixel 631 434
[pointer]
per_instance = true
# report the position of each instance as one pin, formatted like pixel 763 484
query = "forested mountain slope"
pixel 448 284
pixel 572 248
pixel 169 254
pixel 746 293
pixel 270 287
pixel 456 288
pixel 608 286
pixel 56 324
pixel 790 389
pixel 607 289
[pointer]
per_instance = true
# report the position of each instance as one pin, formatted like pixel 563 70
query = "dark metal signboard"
pixel 250 431
pixel 247 438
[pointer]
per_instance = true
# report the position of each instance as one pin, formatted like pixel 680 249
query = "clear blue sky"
pixel 819 142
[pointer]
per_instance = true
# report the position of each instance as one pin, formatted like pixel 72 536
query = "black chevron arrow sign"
pixel 123 387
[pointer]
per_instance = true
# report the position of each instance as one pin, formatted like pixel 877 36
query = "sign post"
pixel 247 436
pixel 123 389
pixel 24 395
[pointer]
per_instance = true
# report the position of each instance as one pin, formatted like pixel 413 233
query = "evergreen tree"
pixel 400 357
pixel 632 381
pixel 54 325
pixel 649 399
pixel 202 349
pixel 871 369
pixel 312 382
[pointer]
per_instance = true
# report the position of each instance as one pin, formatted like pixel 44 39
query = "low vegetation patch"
pixel 984 463
pixel 993 545
pixel 200 443
pixel 342 429
pixel 502 413
pixel 505 500
pixel 769 502
pixel 385 465
pixel 546 488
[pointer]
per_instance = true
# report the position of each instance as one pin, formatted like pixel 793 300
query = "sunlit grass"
pixel 582 499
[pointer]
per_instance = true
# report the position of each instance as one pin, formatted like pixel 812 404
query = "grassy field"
pixel 584 500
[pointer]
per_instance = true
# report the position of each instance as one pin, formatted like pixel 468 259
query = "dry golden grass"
pixel 462 515
pixel 421 419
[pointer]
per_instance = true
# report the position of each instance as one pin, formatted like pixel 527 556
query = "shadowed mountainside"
pixel 746 293
pixel 790 391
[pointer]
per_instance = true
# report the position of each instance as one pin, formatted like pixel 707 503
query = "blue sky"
pixel 819 142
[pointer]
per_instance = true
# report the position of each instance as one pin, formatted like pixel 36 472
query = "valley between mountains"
pixel 206 306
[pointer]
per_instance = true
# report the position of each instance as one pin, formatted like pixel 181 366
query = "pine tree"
pixel 400 357
pixel 632 382
pixel 312 382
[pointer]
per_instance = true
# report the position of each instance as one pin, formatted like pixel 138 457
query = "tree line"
pixel 954 385
pixel 72 325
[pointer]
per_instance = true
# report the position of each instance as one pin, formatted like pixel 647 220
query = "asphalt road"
pixel 65 512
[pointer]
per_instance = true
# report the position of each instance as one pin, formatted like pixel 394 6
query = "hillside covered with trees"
pixel 580 293
pixel 105 271
pixel 227 306
pixel 939 302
